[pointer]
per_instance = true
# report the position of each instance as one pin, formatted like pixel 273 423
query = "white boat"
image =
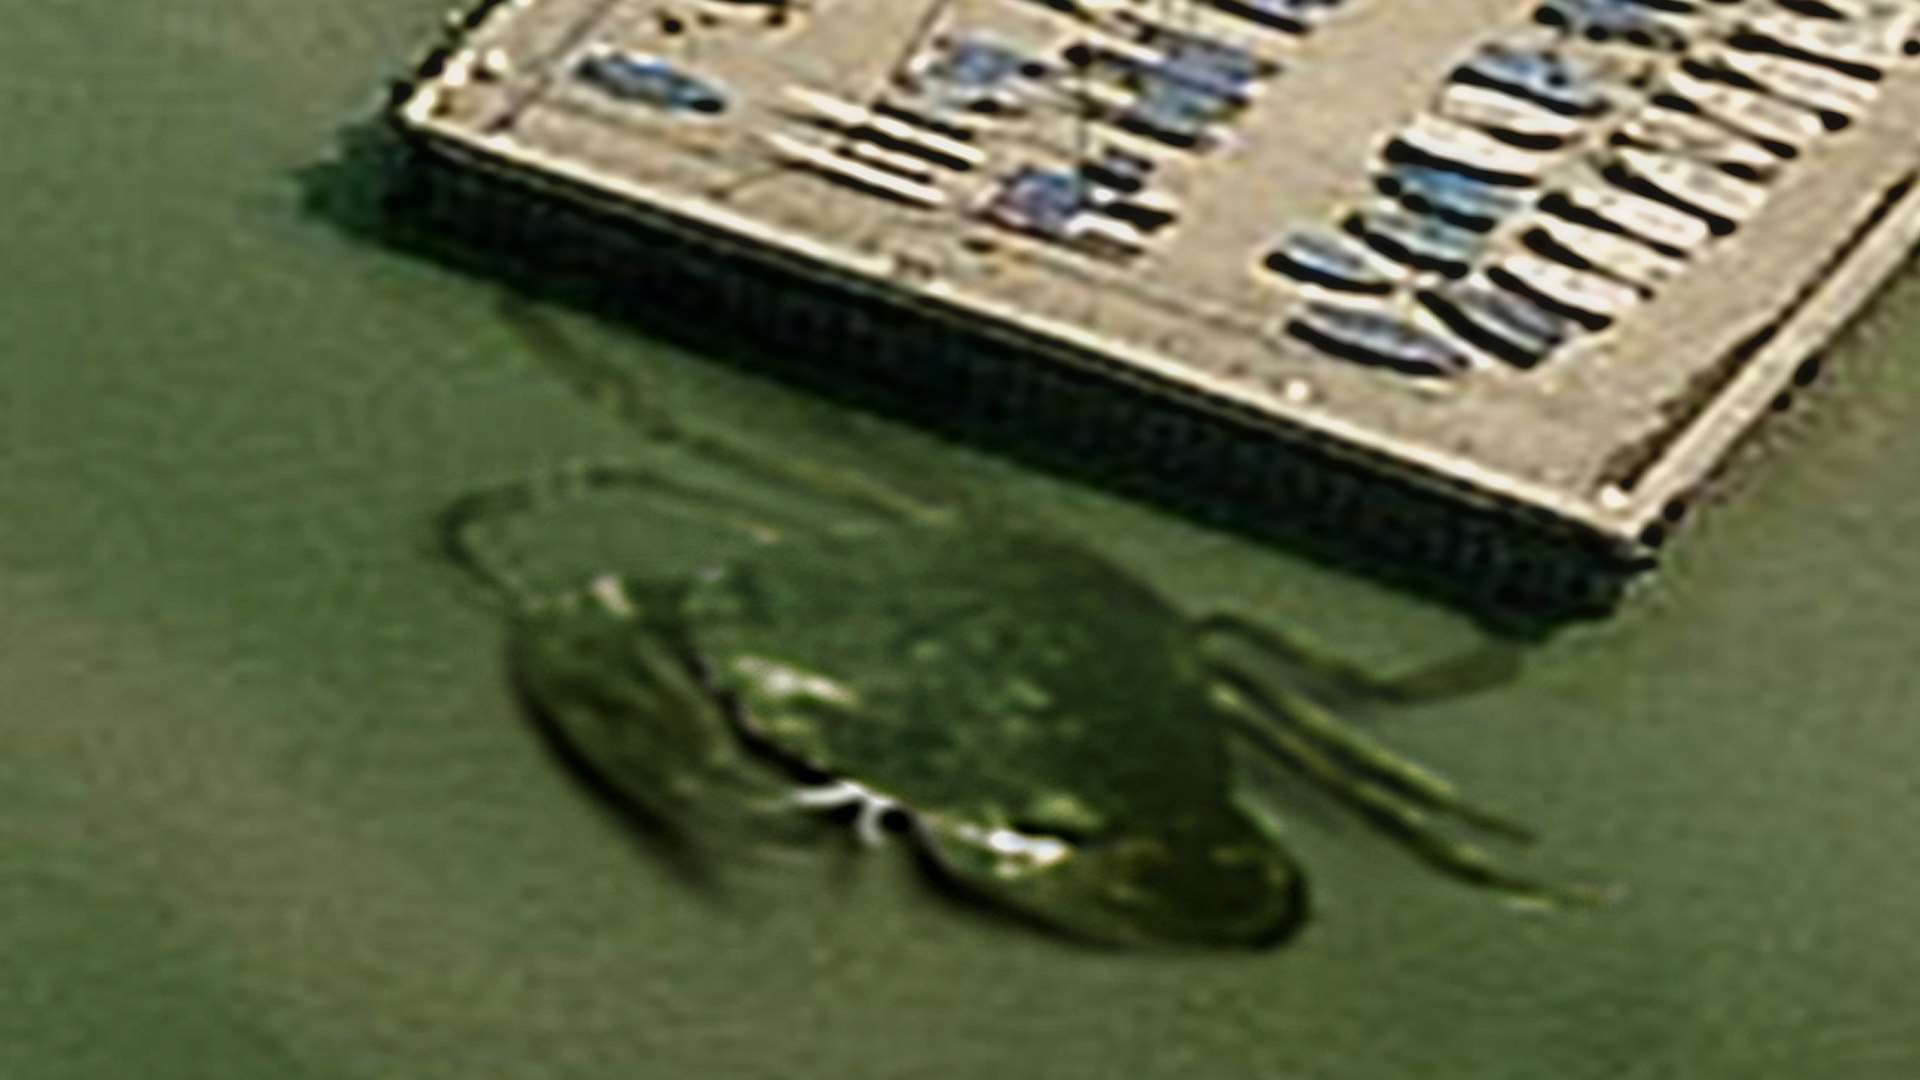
pixel 1696 182
pixel 1454 141
pixel 835 166
pixel 1791 125
pixel 1700 138
pixel 1618 256
pixel 1872 41
pixel 1641 216
pixel 848 116
pixel 1481 107
pixel 1809 84
pixel 1577 289
pixel 906 165
pixel 1099 230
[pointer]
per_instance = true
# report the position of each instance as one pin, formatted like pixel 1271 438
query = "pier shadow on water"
pixel 1518 577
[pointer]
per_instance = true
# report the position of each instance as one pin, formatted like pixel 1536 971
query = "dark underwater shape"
pixel 1062 742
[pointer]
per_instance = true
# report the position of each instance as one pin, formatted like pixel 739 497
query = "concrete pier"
pixel 895 244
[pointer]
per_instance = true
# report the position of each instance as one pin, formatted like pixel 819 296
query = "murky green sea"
pixel 266 809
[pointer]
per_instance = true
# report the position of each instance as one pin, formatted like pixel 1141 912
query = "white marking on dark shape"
pixel 1019 852
pixel 779 680
pixel 607 589
pixel 874 807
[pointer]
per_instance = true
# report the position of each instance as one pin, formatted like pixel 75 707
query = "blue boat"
pixel 975 71
pixel 1503 324
pixel 1420 241
pixel 1039 201
pixel 1377 338
pixel 1457 198
pixel 1330 261
pixel 652 80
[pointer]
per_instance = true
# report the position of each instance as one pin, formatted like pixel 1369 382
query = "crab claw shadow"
pixel 656 837
pixel 710 861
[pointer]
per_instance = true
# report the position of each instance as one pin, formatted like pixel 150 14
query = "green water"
pixel 266 810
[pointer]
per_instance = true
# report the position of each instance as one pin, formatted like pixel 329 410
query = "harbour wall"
pixel 1075 413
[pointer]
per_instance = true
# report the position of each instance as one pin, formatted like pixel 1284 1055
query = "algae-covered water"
pixel 267 810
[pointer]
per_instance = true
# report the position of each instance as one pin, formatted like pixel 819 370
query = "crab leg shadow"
pixel 1396 795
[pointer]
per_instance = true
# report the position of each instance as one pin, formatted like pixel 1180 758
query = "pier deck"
pixel 1607 434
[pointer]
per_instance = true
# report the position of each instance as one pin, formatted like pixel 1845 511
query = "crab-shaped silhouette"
pixel 1060 739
